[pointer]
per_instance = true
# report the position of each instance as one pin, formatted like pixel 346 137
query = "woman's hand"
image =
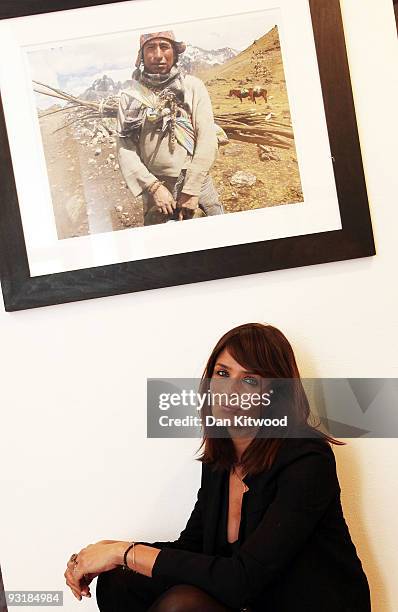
pixel 187 205
pixel 90 562
pixel 164 200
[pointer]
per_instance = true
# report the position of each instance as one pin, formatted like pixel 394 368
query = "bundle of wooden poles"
pixel 247 126
pixel 83 109
pixel 255 127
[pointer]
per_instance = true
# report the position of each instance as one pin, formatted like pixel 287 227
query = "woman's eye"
pixel 251 381
pixel 222 372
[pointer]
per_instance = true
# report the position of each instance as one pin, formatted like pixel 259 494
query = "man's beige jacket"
pixel 151 157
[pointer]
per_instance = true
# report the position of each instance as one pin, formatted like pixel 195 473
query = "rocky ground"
pixel 276 169
pixel 88 190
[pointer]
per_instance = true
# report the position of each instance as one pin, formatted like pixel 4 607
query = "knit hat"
pixel 168 35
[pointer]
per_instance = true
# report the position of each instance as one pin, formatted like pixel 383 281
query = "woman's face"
pixel 235 391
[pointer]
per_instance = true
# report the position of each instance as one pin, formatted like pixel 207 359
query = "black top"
pixel 294 554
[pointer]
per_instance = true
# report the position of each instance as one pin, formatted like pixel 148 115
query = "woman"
pixel 267 532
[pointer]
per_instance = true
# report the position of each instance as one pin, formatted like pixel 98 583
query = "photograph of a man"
pixel 200 128
pixel 166 136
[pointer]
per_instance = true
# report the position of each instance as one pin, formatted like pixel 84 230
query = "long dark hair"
pixel 264 350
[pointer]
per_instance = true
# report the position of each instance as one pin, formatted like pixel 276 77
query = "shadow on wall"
pixel 349 472
pixel 3 604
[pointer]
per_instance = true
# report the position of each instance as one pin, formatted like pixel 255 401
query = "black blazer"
pixel 295 553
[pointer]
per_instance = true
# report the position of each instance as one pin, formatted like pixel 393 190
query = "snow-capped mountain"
pixel 196 58
pixel 192 60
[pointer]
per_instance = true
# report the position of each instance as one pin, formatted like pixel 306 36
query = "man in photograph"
pixel 167 140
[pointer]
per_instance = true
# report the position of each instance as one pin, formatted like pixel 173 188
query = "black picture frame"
pixel 3 602
pixel 354 240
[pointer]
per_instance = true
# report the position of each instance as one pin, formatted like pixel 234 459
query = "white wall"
pixel 76 464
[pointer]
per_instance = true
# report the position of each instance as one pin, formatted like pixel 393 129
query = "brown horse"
pixel 239 93
pixel 258 92
pixel 252 93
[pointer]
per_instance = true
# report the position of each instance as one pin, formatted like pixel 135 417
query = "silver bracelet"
pixel 125 566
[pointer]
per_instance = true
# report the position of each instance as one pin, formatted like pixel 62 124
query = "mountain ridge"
pixel 193 60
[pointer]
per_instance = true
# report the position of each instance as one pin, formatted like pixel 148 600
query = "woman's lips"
pixel 230 408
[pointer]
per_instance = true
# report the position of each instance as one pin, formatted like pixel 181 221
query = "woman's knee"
pixel 102 589
pixel 109 589
pixel 185 598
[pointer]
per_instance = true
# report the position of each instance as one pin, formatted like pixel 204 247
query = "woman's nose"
pixel 234 385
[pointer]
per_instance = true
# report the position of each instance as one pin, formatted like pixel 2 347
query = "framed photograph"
pixel 147 144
